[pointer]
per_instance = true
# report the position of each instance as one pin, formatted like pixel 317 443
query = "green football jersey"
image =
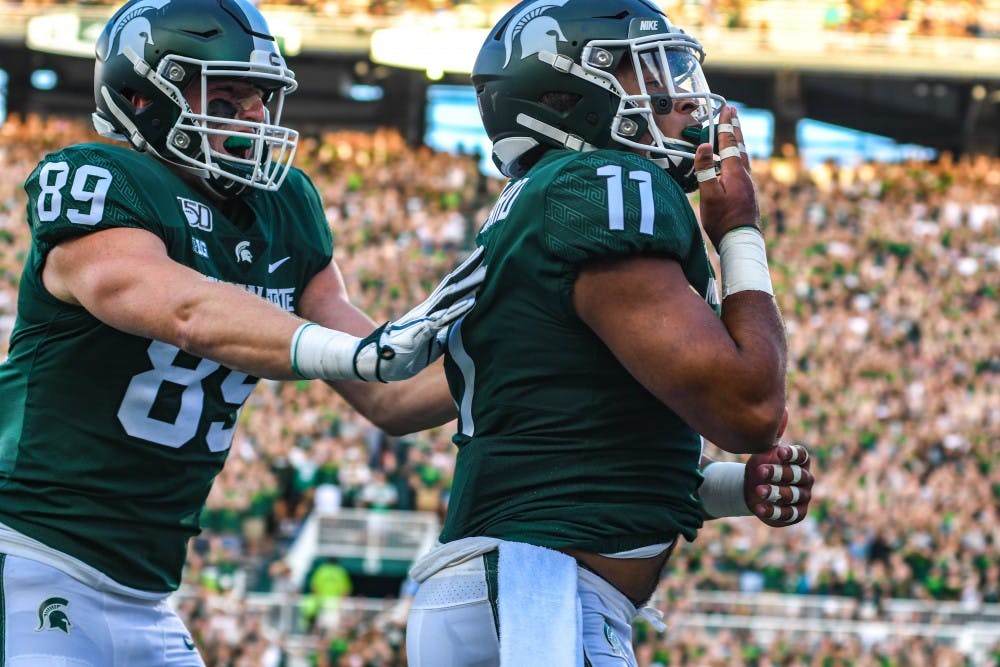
pixel 109 442
pixel 558 445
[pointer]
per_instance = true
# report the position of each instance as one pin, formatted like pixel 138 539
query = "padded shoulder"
pixel 611 203
pixel 91 187
pixel 300 195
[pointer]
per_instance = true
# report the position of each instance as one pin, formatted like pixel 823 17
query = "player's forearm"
pixel 239 330
pixel 124 278
pixel 750 402
pixel 399 408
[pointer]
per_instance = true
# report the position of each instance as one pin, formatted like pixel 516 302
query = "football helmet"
pixel 156 49
pixel 549 73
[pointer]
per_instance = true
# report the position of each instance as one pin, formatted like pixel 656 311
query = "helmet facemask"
pixel 232 153
pixel 668 78
pixel 254 154
pixel 543 54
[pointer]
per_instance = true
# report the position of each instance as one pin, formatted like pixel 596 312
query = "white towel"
pixel 540 616
pixel 441 556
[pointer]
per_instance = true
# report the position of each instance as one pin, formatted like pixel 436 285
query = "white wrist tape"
pixel 743 262
pixel 722 491
pixel 321 353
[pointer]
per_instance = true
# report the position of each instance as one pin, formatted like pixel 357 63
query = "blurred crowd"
pixel 938 18
pixel 926 18
pixel 888 276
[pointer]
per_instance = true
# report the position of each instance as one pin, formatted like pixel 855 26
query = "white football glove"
pixel 399 349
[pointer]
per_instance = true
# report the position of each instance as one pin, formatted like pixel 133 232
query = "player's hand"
pixel 726 189
pixel 402 348
pixel 778 484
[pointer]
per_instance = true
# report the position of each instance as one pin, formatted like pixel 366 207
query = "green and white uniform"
pixel 558 445
pixel 109 442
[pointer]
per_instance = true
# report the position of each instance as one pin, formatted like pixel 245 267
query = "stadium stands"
pixel 970 18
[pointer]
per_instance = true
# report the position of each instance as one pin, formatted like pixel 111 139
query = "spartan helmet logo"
pixel 52 615
pixel 243 252
pixel 132 29
pixel 533 30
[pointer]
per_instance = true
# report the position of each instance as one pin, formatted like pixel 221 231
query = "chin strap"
pixel 564 139
pixel 106 129
pixel 566 65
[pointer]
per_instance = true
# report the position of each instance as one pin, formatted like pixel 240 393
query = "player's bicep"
pixel 325 301
pixel 86 269
pixel 665 334
pixel 122 276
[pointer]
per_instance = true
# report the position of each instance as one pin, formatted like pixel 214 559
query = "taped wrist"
pixel 325 354
pixel 721 492
pixel 743 262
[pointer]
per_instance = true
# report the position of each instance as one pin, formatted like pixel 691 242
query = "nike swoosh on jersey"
pixel 271 268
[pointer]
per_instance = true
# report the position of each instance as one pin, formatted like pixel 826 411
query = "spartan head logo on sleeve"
pixel 534 31
pixel 132 29
pixel 52 615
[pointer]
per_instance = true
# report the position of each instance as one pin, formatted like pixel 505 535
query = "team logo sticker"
pixel 52 615
pixel 534 31
pixel 133 30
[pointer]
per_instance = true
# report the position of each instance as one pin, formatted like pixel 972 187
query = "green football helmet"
pixel 156 49
pixel 548 76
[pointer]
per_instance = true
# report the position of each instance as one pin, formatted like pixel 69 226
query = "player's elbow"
pixel 187 330
pixel 394 429
pixel 381 411
pixel 759 424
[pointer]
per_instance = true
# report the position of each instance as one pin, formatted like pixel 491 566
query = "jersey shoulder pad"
pixel 612 203
pixel 303 199
pixel 90 187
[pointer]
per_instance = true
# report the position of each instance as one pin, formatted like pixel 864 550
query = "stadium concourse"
pixel 888 277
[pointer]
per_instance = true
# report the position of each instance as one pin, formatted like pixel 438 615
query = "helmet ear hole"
pixel 136 99
pixel 560 101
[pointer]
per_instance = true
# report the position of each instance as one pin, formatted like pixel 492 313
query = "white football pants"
pixel 49 619
pixel 453 619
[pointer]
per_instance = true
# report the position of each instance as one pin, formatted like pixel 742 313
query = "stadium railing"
pixel 387 541
pixel 369 541
pixel 766 615
pixel 974 640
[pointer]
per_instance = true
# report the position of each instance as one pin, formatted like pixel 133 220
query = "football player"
pixel 164 278
pixel 600 352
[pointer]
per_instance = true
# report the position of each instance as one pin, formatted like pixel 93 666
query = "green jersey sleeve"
pixel 607 203
pixel 88 188
pixel 313 215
